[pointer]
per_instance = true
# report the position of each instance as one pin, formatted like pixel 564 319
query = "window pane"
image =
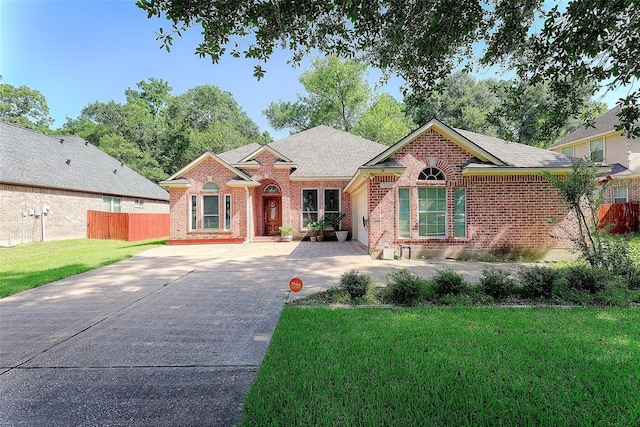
pixel 227 212
pixel 460 212
pixel 194 212
pixel 116 204
pixel 211 213
pixel 106 204
pixel 404 206
pixel 331 201
pixel 568 151
pixel 309 207
pixel 211 222
pixel 620 194
pixel 432 207
pixel 596 150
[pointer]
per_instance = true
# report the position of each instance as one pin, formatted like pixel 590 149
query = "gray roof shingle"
pixel 322 152
pixel 518 155
pixel 68 163
pixel 605 123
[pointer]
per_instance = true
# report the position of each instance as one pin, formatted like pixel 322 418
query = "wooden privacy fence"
pixel 126 226
pixel 620 217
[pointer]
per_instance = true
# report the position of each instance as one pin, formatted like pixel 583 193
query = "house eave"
pixel 365 173
pixel 319 178
pixel 501 171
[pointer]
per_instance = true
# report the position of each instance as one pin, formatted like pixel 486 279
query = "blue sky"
pixel 78 52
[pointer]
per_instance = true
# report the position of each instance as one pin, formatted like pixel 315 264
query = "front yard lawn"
pixel 30 265
pixel 449 366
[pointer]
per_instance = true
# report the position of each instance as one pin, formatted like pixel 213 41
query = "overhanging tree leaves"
pixel 590 42
pixel 24 106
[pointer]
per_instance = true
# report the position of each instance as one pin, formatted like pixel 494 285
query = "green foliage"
pixel 593 42
pixel 580 277
pixel 355 283
pixel 24 107
pixel 538 282
pixel 405 288
pixel 385 121
pixel 333 220
pixel 448 282
pixel 287 230
pixel 155 133
pixel 30 265
pixel 496 283
pixel 461 366
pixel 338 95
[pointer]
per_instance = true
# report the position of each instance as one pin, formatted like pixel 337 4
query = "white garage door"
pixel 359 212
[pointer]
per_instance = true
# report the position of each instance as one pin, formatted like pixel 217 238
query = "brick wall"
pixel 502 211
pixel 67 218
pixel 209 170
pixel 267 174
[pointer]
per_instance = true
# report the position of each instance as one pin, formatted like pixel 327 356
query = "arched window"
pixel 271 189
pixel 431 174
pixel 210 186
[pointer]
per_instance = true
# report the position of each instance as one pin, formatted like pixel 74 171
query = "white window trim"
pixel 192 226
pixel 230 213
pixel 324 202
pixel 213 194
pixel 446 213
pixel 302 211
pixel 398 214
pixel 604 145
pixel 571 147
pixel 613 194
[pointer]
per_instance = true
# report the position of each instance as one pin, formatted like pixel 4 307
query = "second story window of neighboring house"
pixel 568 150
pixel 620 194
pixel 596 150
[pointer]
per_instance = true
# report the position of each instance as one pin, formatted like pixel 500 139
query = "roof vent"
pixel 115 171
pixel 68 161
pixel 61 140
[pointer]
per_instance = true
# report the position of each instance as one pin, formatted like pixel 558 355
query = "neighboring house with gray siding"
pixel 49 182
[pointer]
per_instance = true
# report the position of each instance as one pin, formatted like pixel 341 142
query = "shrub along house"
pixel 437 191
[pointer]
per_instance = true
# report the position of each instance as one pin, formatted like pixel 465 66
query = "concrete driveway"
pixel 173 336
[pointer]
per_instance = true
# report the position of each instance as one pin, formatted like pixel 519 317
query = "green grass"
pixel 449 366
pixel 28 266
pixel 634 248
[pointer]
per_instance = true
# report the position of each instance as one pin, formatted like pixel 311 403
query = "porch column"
pixel 249 213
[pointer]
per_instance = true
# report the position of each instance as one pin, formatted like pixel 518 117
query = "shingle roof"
pixel 605 123
pixel 326 152
pixel 69 163
pixel 518 155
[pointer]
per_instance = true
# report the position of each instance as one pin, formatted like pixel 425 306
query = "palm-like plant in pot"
pixel 335 220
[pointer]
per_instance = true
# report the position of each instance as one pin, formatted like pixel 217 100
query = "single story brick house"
pixel 49 182
pixel 437 191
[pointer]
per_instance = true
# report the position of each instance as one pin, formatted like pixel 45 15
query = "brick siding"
pixel 501 211
pixel 67 218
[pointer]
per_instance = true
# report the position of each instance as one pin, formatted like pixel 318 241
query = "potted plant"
pixel 334 220
pixel 316 228
pixel 287 232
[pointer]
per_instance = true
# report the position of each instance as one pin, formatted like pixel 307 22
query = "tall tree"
pixel 587 42
pixel 156 133
pixel 500 108
pixel 338 95
pixel 25 107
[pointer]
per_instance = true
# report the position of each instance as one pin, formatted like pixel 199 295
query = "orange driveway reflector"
pixel 295 284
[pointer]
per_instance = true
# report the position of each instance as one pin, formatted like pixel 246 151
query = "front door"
pixel 272 215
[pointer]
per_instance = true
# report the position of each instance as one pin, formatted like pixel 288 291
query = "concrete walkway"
pixel 173 336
